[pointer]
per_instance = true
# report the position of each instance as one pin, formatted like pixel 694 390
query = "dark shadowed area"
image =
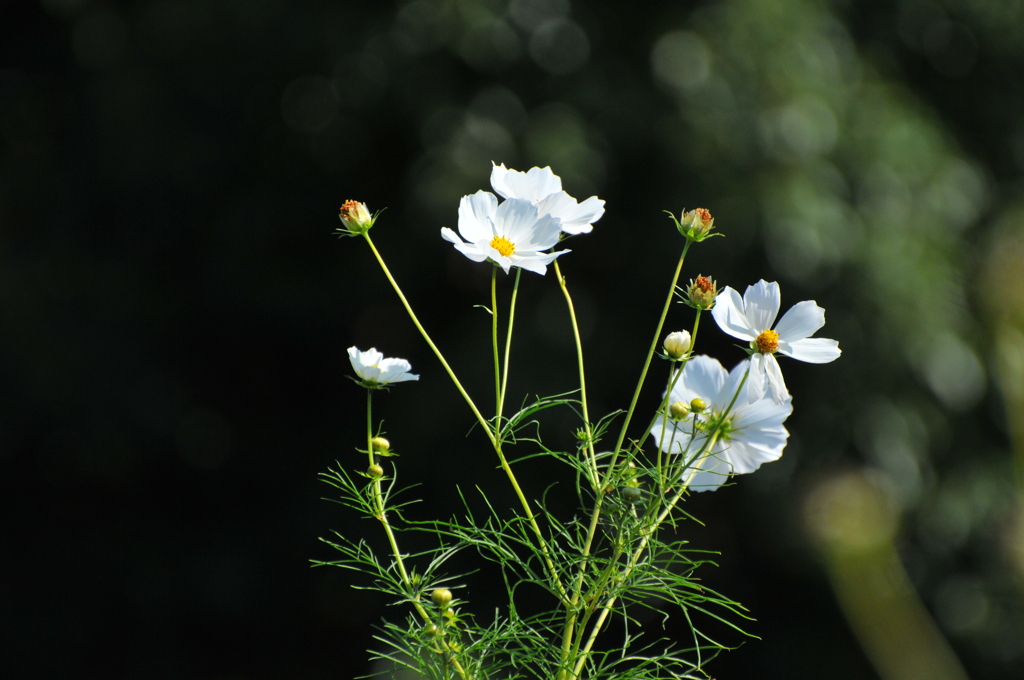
pixel 175 309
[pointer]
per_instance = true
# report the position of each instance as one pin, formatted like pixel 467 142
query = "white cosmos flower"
pixel 751 319
pixel 544 189
pixel 374 370
pixel 753 433
pixel 512 234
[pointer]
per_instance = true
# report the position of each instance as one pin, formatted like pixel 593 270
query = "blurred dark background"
pixel 175 309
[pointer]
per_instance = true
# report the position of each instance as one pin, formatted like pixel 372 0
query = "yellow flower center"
pixel 767 342
pixel 503 245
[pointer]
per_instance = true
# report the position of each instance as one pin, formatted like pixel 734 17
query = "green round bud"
pixel 431 630
pixel 631 493
pixel 678 410
pixel 698 405
pixel 375 471
pixel 441 597
pixel 380 444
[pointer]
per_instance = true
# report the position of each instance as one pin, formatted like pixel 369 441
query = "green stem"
pixel 647 362
pixel 494 346
pixel 378 504
pixel 673 379
pixel 571 610
pixel 508 340
pixel 635 558
pixel 582 372
pixel 571 613
pixel 430 343
pixel 495 443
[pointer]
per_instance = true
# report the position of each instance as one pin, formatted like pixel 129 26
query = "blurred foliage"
pixel 175 309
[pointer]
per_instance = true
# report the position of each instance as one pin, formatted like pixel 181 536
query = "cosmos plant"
pixel 620 553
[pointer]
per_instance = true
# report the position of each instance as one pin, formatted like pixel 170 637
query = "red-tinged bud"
pixel 702 292
pixel 356 218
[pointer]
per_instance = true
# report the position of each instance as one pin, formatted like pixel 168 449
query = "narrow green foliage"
pixel 576 588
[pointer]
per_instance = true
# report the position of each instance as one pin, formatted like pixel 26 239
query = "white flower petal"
pixel 762 412
pixel 812 350
pixel 533 185
pixel 519 221
pixel 672 436
pixel 730 317
pixel 731 384
pixel 475 216
pixel 372 367
pixel 766 443
pixel 396 370
pixel 499 174
pixel 761 305
pixel 758 435
pixel 575 218
pixel 365 363
pixel 746 456
pixel 536 262
pixel 450 236
pixel 775 381
pixel 472 251
pixel 712 473
pixel 757 379
pixel 702 377
pixel 800 321
pixel 544 235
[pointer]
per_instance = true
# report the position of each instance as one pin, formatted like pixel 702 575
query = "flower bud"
pixel 697 223
pixel 441 597
pixel 356 218
pixel 375 471
pixel 677 344
pixel 698 405
pixel 678 410
pixel 631 493
pixel 702 292
pixel 431 630
pixel 380 444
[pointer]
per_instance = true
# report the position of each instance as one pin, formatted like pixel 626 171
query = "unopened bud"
pixel 695 224
pixel 431 630
pixel 375 471
pixel 678 410
pixel 677 344
pixel 698 405
pixel 702 292
pixel 380 444
pixel 441 597
pixel 631 493
pixel 356 217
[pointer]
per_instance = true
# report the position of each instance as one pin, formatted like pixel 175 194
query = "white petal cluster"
pixel 751 318
pixel 530 220
pixel 374 370
pixel 543 188
pixel 512 234
pixel 755 434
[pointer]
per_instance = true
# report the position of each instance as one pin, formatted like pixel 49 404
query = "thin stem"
pixel 567 631
pixel 430 343
pixel 378 504
pixel 635 558
pixel 673 379
pixel 647 362
pixel 582 371
pixel 571 613
pixel 494 345
pixel 508 340
pixel 495 443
